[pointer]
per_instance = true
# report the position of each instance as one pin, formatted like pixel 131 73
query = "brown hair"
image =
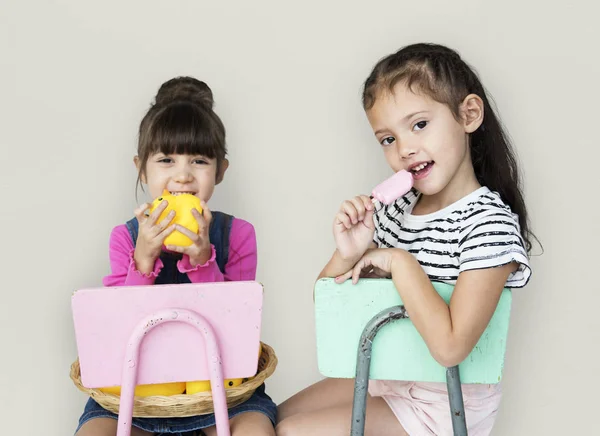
pixel 182 121
pixel 441 74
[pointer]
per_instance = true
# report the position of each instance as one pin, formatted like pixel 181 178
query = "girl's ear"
pixel 138 163
pixel 471 111
pixel 222 169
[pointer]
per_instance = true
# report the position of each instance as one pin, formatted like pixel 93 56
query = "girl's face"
pixel 182 173
pixel 422 136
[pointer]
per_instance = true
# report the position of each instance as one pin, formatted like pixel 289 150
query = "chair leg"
pixel 213 356
pixel 457 407
pixel 363 365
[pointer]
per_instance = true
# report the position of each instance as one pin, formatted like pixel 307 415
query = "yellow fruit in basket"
pixel 204 385
pixel 197 386
pixel 165 389
pixel 182 204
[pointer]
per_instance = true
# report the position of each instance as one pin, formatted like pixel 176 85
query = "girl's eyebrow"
pixel 403 120
pixel 409 116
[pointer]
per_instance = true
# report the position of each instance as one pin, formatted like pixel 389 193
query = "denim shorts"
pixel 258 402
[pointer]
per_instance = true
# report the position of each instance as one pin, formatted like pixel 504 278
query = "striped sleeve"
pixel 494 240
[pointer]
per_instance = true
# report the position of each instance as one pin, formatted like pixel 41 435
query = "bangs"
pixel 184 128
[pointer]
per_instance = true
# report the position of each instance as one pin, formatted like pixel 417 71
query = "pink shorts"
pixel 423 408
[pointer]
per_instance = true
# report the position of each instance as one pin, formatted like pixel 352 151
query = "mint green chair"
pixel 363 332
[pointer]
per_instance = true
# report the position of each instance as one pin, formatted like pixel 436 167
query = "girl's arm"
pixel 338 265
pixel 450 331
pixel 241 264
pixel 492 257
pixel 124 271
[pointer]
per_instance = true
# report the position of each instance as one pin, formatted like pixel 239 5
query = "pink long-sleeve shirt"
pixel 241 264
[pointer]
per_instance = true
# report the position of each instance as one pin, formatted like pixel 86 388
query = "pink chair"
pixel 168 333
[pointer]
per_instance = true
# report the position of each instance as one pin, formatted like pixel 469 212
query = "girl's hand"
pixel 353 227
pixel 200 250
pixel 377 262
pixel 151 236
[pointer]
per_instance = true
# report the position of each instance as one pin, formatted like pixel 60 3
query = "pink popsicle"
pixel 393 188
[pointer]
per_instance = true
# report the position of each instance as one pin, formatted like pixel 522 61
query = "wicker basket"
pixel 183 405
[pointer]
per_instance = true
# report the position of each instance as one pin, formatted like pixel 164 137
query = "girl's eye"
pixel 166 160
pixel 387 141
pixel 420 125
pixel 200 161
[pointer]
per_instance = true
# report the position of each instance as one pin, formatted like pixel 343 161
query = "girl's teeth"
pixel 420 167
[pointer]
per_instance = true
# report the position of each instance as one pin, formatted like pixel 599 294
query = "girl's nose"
pixel 183 174
pixel 406 150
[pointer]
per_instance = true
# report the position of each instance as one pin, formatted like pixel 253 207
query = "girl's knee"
pixel 283 428
pixel 288 427
pixel 261 430
pixel 98 427
pixel 252 424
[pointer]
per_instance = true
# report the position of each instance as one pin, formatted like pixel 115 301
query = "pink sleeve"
pixel 241 264
pixel 122 266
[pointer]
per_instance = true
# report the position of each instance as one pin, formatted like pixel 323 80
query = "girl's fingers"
pixel 177 249
pixel 354 273
pixel 193 236
pixel 368 220
pixel 360 208
pixel 357 270
pixel 367 203
pixel 206 212
pixel 349 209
pixel 163 233
pixel 342 278
pixel 161 226
pixel 153 218
pixel 140 212
pixel 203 219
pixel 343 220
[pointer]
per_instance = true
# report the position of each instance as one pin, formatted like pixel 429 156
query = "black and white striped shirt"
pixel 478 231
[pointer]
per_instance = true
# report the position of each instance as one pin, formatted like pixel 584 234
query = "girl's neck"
pixel 462 184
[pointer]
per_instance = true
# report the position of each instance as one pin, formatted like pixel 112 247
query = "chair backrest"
pixel 399 353
pixel 104 319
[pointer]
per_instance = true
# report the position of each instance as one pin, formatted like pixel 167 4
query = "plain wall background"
pixel 77 76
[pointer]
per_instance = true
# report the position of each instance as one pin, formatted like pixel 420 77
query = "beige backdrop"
pixel 76 77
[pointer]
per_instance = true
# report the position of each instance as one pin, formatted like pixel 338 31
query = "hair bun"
pixel 185 89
